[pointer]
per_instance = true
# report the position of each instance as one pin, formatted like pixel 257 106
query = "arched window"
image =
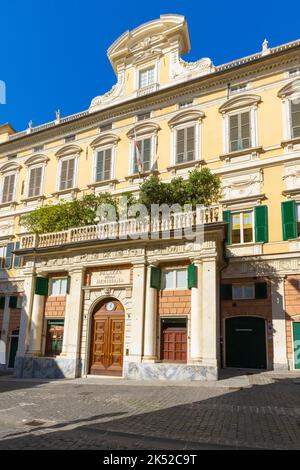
pixel 68 158
pixel 104 148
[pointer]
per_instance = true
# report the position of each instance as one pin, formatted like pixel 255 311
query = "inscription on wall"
pixel 110 277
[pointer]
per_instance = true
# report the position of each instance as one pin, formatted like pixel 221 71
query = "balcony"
pixel 147 89
pixel 125 229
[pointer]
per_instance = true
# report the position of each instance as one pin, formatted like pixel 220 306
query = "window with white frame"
pixel 67 173
pixel 234 89
pixel 239 131
pixel 242 227
pixel 295 72
pixel 174 279
pixel 142 155
pixel 185 144
pixel 295 117
pixel 146 77
pixel 58 286
pixel 103 164
pixel 243 291
pixel 35 181
pixel 8 187
pixel 298 219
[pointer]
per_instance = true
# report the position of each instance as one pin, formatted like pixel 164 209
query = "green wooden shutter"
pixel 155 278
pixel 2 302
pixel 8 255
pixel 68 285
pixel 261 290
pixel 13 301
pixel 226 291
pixel 289 220
pixel 261 224
pixel 226 218
pixel 17 258
pixel 192 276
pixel 41 286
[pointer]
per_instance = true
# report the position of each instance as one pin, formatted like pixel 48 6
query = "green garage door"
pixel 296 331
pixel 246 342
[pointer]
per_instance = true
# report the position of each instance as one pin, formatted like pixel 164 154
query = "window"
pixel 146 77
pixel 67 172
pixel 8 188
pixel 103 165
pixel 175 279
pixel 58 286
pixel 35 181
pixel 295 117
pixel 294 72
pixel 12 157
pixel 238 88
pixel 245 291
pixel 242 227
pixel 38 148
pixel 106 127
pixel 54 337
pixel 70 138
pixel 142 155
pixel 143 116
pixel 298 220
pixel 239 131
pixel 174 340
pixel 185 144
pixel 185 104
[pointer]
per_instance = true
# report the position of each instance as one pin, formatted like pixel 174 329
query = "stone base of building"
pixel 45 367
pixel 163 371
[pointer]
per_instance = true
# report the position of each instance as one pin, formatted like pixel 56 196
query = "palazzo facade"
pixel 126 298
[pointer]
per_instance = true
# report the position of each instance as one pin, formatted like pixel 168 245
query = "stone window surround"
pixel 182 120
pixel 67 153
pixel 144 130
pixel 35 162
pixel 238 104
pixel 287 94
pixel 105 142
pixel 6 170
pixel 155 63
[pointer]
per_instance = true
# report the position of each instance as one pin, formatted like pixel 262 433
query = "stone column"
pixel 210 312
pixel 72 327
pixel 26 310
pixel 36 325
pixel 196 317
pixel 150 329
pixel 138 312
pixel 278 323
pixel 4 332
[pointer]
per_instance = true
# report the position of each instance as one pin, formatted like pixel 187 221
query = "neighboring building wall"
pixel 292 308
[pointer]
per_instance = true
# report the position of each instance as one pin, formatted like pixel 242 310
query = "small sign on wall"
pixel 110 277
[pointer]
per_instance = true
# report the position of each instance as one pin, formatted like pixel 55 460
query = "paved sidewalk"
pixel 259 410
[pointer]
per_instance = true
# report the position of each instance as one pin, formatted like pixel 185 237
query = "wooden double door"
pixel 107 339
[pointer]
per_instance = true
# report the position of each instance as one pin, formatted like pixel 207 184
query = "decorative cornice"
pixel 239 101
pixel 186 116
pixel 68 150
pixel 105 139
pixel 290 88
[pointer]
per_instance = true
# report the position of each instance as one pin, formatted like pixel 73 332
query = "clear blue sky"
pixel 53 52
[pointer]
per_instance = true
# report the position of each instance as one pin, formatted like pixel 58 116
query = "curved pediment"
pixel 186 116
pixel 105 139
pixel 152 34
pixel 68 150
pixel 239 102
pixel 35 159
pixel 290 89
pixel 9 166
pixel 143 129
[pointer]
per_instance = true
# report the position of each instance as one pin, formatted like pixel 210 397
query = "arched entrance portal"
pixel 107 338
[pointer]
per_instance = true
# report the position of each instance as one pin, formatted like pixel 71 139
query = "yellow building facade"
pixel 100 311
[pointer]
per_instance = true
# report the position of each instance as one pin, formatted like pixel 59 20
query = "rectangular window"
pixel 242 227
pixel 298 220
pixel 103 165
pixel 245 291
pixel 144 154
pixel 238 88
pixel 8 188
pixel 143 116
pixel 294 72
pixel 185 144
pixel 185 104
pixel 67 173
pixel 106 127
pixel 70 138
pixel 58 286
pixel 239 131
pixel 295 118
pixel 54 337
pixel 146 77
pixel 35 181
pixel 174 279
pixel 38 148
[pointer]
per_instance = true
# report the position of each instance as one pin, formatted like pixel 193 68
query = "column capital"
pixel 77 270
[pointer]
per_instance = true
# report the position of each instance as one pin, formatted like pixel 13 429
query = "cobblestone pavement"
pixel 239 411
